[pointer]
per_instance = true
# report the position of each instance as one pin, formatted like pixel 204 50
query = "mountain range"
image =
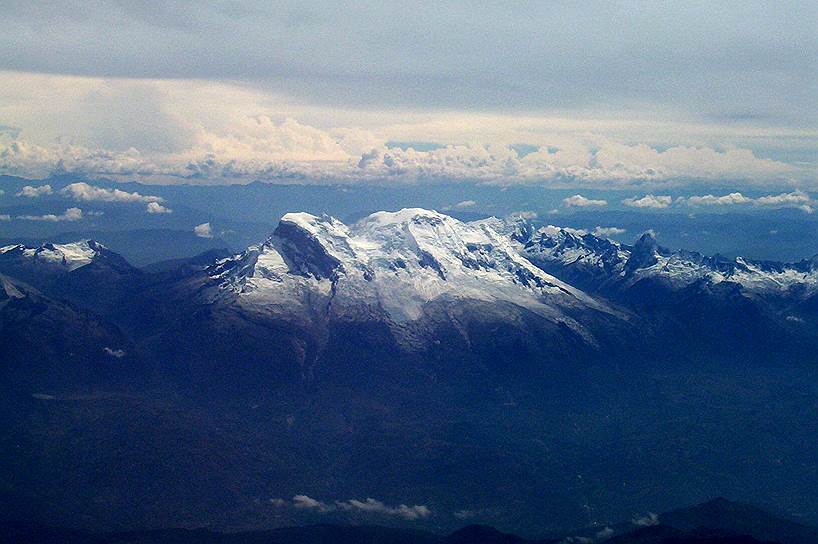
pixel 530 377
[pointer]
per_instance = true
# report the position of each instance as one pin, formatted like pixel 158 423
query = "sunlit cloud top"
pixel 539 92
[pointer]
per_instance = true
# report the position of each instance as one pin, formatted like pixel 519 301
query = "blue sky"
pixel 606 93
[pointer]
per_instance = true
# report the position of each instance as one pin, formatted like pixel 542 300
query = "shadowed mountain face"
pixel 741 518
pixel 529 379
pixel 50 346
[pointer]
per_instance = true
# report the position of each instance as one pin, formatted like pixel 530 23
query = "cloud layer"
pixel 191 130
pixel 737 63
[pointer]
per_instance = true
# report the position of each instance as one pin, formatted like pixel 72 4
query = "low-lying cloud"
pixel 607 232
pixel 646 520
pixel 115 353
pixel 795 199
pixel 304 502
pixel 649 201
pixel 369 506
pixel 84 192
pixel 30 191
pixel 723 200
pixel 156 208
pixel 203 231
pixel 579 201
pixel 71 214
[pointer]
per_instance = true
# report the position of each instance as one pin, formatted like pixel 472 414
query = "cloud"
pixel 278 502
pixel 552 230
pixel 523 214
pixel 116 353
pixel 155 207
pixel 795 199
pixel 725 70
pixel 376 506
pixel 604 533
pixel 465 204
pixel 579 201
pixel 599 232
pixel 71 214
pixel 369 506
pixel 649 201
pixel 304 502
pixel 465 514
pixel 5 217
pixel 203 231
pixel 2 192
pixel 724 200
pixel 607 232
pixel 84 192
pixel 208 130
pixel 30 191
pixel 647 520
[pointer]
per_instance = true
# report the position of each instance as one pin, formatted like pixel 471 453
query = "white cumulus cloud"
pixel 795 199
pixel 156 208
pixel 649 201
pixel 203 231
pixel 71 214
pixel 305 502
pixel 607 232
pixel 30 191
pixel 579 201
pixel 723 200
pixel 85 192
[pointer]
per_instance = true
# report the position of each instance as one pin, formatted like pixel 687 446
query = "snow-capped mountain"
pixel 56 257
pixel 533 353
pixel 391 265
pixel 85 271
pixel 599 264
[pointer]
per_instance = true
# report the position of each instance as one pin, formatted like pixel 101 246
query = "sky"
pixel 563 94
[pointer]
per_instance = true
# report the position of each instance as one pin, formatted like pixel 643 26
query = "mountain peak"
pixel 644 254
pixel 397 262
pixel 68 256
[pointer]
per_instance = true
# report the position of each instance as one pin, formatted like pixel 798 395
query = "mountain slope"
pixel 412 358
pixel 84 272
pixel 48 346
pixel 741 518
pixel 412 284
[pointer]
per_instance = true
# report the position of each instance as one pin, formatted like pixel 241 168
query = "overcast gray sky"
pixel 603 92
